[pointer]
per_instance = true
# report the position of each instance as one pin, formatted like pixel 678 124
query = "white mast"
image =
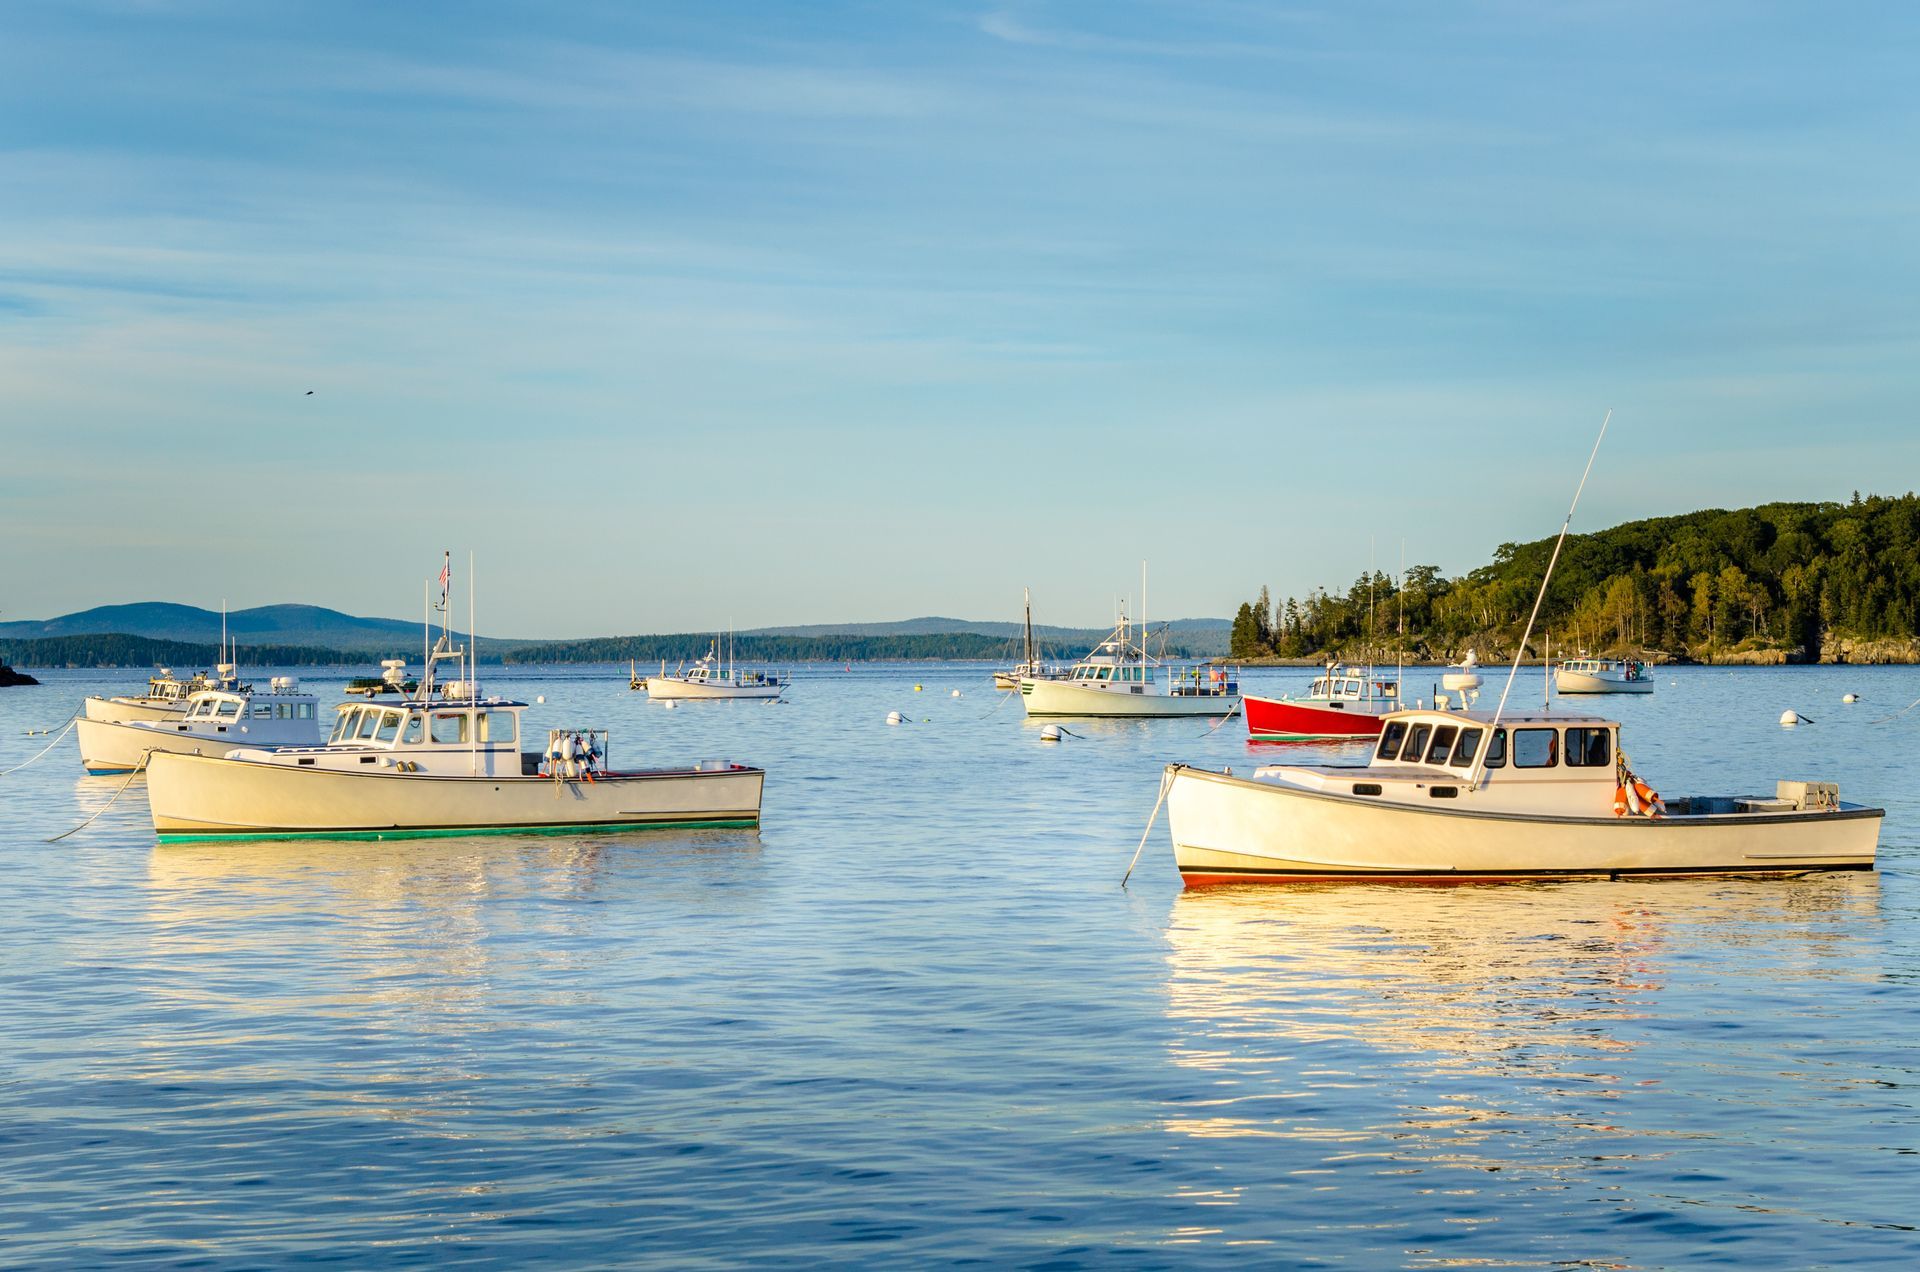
pixel 471 664
pixel 1493 730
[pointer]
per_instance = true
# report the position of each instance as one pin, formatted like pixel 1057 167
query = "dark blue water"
pixel 914 1019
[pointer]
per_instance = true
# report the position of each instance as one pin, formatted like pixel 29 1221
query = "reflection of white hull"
pixel 196 797
pixel 121 748
pixel 1234 830
pixel 1067 698
pixel 1565 681
pixel 126 710
pixel 669 687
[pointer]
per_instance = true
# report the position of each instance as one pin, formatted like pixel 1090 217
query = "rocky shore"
pixel 9 677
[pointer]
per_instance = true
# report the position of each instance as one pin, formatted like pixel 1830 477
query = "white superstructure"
pixel 214 722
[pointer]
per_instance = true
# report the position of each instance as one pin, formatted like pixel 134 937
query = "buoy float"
pixel 1052 733
pixel 670 704
pixel 894 717
pixel 956 693
pixel 1850 697
pixel 1789 718
pixel 916 688
pixel 540 699
pixel 1620 801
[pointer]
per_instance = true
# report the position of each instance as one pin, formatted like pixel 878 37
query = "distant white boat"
pixel 706 679
pixel 1602 675
pixel 1030 667
pixel 215 721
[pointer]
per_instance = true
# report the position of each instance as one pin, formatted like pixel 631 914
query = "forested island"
pixel 1779 583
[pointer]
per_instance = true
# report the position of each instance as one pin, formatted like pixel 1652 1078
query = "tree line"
pixel 1788 577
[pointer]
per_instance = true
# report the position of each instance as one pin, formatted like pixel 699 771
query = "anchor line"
pixel 71 721
pixel 1166 780
pixel 1895 716
pixel 138 769
pixel 1223 719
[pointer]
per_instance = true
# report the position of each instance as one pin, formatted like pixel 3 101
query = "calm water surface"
pixel 914 1019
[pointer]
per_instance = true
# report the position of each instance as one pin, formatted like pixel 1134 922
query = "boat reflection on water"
pixel 1316 1011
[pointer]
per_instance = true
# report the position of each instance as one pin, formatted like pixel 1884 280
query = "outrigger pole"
pixel 1493 730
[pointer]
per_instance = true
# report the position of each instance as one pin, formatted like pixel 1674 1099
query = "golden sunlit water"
pixel 914 1018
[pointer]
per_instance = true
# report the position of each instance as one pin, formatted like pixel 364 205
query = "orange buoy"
pixel 1619 801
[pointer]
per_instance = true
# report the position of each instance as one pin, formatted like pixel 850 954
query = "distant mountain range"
pixel 301 625
pixel 308 633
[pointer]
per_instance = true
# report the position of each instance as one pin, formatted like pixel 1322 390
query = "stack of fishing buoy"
pixel 1633 796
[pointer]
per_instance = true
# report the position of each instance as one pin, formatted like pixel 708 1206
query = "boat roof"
pixel 1510 718
pixel 433 704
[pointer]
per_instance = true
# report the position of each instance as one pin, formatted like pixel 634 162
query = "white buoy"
pixel 894 717
pixel 540 699
pixel 956 693
pixel 670 704
pixel 1850 697
pixel 1789 718
pixel 1052 733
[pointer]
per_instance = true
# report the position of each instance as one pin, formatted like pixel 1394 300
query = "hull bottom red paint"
pixel 1281 720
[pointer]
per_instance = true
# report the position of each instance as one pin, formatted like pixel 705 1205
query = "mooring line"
pixel 1166 780
pixel 71 721
pixel 137 771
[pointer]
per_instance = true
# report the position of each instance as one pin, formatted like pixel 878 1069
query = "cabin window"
pixel 496 726
pixel 416 730
pixel 227 709
pixel 264 711
pixel 369 724
pixel 389 727
pixel 1390 739
pixel 1588 748
pixel 1464 750
pixel 449 729
pixel 304 710
pixel 1497 750
pixel 1442 744
pixel 1417 743
pixel 1536 748
pixel 342 725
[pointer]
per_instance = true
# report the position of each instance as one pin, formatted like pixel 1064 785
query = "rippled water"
pixel 914 1018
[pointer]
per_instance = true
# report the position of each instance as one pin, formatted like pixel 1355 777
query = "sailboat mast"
pixel 1027 595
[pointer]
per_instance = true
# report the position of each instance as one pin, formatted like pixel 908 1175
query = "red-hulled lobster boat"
pixel 1343 703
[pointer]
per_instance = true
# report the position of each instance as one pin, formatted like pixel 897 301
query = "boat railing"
pixel 1203 682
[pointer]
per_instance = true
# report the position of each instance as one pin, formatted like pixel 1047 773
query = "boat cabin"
pixel 1554 764
pixel 1349 685
pixel 1103 669
pixel 449 736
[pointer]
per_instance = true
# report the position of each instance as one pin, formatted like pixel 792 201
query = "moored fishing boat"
pixel 165 699
pixel 1119 679
pixel 215 721
pixel 1460 796
pixel 1031 666
pixel 1342 703
pixel 446 762
pixel 707 679
pixel 1602 675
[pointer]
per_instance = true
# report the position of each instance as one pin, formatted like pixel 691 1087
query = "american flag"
pixel 446 573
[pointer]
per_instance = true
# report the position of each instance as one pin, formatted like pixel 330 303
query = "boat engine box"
pixel 1811 797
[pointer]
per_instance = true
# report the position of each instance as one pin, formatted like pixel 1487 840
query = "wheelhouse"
pixel 491 724
pixel 1351 686
pixel 1559 747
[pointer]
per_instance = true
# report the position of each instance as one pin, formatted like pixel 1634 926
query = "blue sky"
pixel 811 312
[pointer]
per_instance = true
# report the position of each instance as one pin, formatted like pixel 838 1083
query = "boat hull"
pixel 127 710
pixel 1291 720
pixel 1235 830
pixel 199 797
pixel 122 748
pixel 667 687
pixel 1586 682
pixel 1065 698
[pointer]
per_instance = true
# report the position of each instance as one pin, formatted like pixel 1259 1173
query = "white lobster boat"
pixel 165 698
pixel 1602 675
pixel 708 679
pixel 1120 680
pixel 435 765
pixel 215 721
pixel 1550 798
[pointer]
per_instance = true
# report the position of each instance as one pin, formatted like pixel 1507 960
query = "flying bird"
pixel 309 392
